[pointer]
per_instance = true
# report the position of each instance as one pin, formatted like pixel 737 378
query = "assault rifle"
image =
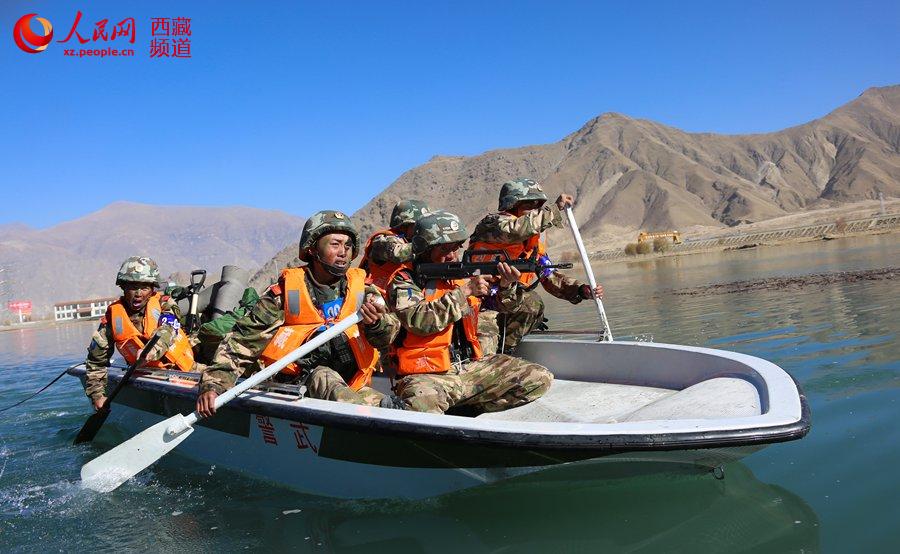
pixel 486 264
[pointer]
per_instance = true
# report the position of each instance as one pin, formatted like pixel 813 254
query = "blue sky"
pixel 302 106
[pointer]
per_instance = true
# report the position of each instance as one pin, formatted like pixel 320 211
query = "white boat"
pixel 616 407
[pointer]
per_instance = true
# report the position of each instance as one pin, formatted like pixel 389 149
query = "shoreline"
pixel 757 235
pixel 598 260
pixel 865 217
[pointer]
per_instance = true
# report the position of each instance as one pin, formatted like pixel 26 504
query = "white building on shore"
pixel 82 309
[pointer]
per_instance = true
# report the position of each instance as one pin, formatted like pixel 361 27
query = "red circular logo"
pixel 28 40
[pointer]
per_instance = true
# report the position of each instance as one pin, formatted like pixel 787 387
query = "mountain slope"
pixel 79 259
pixel 629 174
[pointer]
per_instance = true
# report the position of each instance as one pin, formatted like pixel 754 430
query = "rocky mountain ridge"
pixel 632 174
pixel 78 259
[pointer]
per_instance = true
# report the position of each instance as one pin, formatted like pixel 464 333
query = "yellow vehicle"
pixel 644 236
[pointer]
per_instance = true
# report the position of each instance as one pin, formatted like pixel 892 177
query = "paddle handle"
pixel 576 234
pixel 194 287
pixel 271 370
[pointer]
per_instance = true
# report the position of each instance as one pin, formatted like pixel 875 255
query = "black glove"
pixel 586 292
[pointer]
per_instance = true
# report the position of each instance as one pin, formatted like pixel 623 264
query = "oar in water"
pixel 93 424
pixel 106 472
pixel 607 332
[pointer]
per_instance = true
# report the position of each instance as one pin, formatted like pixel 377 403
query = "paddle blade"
pixel 91 427
pixel 109 470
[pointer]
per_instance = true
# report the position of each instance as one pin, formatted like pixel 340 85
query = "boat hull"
pixel 349 451
pixel 346 463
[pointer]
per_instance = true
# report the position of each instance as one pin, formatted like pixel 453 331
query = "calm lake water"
pixel 833 491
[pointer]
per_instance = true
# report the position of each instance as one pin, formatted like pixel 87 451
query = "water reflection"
pixel 839 342
pixel 570 512
pixel 661 513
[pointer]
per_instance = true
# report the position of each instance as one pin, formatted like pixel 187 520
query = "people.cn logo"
pixel 28 40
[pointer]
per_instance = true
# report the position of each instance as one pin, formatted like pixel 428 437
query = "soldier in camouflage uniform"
pixel 438 356
pixel 388 248
pixel 139 278
pixel 327 245
pixel 516 228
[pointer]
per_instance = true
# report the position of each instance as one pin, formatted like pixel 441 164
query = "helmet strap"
pixel 334 270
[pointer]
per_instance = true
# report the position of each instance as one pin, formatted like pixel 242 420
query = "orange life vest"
pixel 302 319
pixel 431 353
pixel 516 250
pixel 129 341
pixel 378 274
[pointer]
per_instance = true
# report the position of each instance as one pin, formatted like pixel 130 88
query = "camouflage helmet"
pixel 408 211
pixel 138 269
pixel 520 190
pixel 438 227
pixel 323 223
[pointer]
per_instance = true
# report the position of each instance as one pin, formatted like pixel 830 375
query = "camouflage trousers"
pixel 325 383
pixel 517 324
pixel 488 332
pixel 491 384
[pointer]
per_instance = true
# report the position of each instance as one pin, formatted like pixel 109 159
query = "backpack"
pixel 212 332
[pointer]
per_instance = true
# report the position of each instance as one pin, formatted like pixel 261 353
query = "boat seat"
pixel 576 401
pixel 581 402
pixel 722 397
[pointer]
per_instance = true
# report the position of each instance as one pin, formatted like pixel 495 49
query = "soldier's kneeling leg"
pixel 500 382
pixel 325 383
pixel 522 321
pixel 426 393
pixel 488 332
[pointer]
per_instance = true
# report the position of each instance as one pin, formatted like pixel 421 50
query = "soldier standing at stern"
pixel 438 356
pixel 516 229
pixel 130 322
pixel 305 301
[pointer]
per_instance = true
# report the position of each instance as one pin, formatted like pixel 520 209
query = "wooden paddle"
pixel 107 471
pixel 606 334
pixel 95 422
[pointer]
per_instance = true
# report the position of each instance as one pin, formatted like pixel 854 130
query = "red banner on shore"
pixel 23 306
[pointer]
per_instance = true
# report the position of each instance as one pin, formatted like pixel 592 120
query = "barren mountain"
pixel 628 174
pixel 79 259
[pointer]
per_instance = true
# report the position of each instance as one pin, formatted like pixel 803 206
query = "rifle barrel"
pixel 461 270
